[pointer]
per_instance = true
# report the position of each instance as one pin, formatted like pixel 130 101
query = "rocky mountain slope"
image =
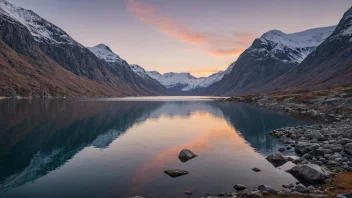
pixel 26 71
pixel 270 56
pixel 185 83
pixel 60 47
pixel 134 74
pixel 330 65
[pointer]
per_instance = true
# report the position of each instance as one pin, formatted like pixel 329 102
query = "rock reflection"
pixel 39 136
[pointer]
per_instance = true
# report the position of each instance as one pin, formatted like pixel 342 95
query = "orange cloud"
pixel 225 52
pixel 148 14
pixel 219 45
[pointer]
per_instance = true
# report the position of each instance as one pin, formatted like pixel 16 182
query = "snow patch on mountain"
pixel 105 53
pixel 186 80
pixel 139 71
pixel 297 46
pixel 41 29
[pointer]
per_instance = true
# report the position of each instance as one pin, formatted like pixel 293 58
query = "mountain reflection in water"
pixel 134 141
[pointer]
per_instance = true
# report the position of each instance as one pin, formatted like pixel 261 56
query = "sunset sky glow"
pixel 200 37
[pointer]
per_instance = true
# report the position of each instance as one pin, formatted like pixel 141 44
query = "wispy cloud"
pixel 149 15
pixel 213 44
pixel 225 52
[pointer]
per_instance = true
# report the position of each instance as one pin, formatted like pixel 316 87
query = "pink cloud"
pixel 149 15
pixel 215 45
pixel 225 52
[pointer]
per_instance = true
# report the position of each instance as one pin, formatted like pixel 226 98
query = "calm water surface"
pixel 120 147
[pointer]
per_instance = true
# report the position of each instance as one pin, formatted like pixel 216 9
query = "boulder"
pixel 300 188
pixel 176 172
pixel 344 141
pixel 277 159
pixel 239 187
pixel 348 148
pixel 311 173
pixel 322 151
pixel 335 156
pixel 186 155
pixel 315 135
pixel 268 189
pixel 305 147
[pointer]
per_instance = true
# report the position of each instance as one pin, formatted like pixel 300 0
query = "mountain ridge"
pixel 184 82
pixel 66 52
pixel 270 56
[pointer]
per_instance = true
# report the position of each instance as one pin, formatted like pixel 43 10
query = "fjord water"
pixel 120 147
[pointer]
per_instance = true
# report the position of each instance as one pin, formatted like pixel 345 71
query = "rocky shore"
pixel 324 150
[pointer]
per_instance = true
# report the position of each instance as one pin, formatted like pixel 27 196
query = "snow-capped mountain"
pixel 185 81
pixel 136 73
pixel 41 29
pixel 293 47
pixel 100 65
pixel 270 56
pixel 328 66
pixel 140 71
pixel 105 53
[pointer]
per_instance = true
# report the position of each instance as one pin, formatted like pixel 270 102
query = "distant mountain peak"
pixel 293 47
pixel 185 81
pixel 103 46
pixel 104 52
pixel 41 29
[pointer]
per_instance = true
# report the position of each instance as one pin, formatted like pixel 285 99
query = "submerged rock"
pixel 311 173
pixel 176 172
pixel 186 155
pixel 277 159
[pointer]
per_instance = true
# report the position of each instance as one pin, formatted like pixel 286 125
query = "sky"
pixel 196 36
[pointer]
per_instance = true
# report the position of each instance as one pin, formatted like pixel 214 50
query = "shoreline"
pixel 324 150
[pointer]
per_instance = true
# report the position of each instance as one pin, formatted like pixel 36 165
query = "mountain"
pixel 32 36
pixel 26 70
pixel 134 74
pixel 329 66
pixel 185 83
pixel 270 56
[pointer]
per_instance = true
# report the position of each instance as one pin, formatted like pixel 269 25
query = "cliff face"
pixel 47 45
pixel 328 66
pixel 26 71
pixel 270 56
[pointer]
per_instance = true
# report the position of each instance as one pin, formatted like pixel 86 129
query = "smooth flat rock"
pixel 176 172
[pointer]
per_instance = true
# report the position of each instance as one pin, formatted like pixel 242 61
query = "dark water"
pixel 108 148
